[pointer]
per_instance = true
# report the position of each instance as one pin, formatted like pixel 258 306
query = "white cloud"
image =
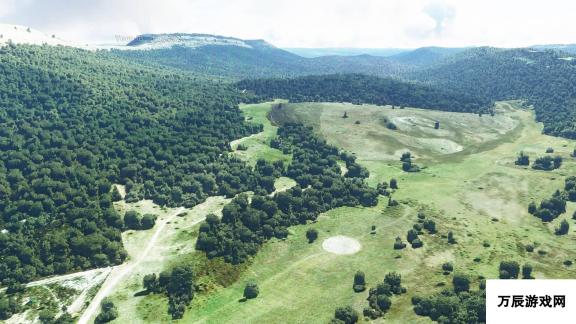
pixel 308 23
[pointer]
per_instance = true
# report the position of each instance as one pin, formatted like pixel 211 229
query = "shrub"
pixel 451 238
pixel 241 147
pixel 430 226
pixel 417 243
pixel 108 312
pixel 527 271
pixel 522 159
pixel 346 315
pixel 509 269
pixel 132 220
pixel 563 229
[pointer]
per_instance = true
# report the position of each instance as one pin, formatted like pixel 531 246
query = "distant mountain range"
pixel 346 51
pixel 237 58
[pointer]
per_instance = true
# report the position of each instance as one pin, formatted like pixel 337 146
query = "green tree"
pixel 132 220
pixel 461 283
pixel 311 235
pixel 359 282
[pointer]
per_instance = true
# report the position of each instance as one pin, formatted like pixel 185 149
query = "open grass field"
pixel 258 144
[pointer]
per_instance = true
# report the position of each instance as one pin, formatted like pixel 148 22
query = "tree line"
pixel 364 89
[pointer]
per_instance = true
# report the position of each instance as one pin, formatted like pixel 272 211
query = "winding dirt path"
pixel 120 272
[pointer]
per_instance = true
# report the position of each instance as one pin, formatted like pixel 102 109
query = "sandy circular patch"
pixel 341 245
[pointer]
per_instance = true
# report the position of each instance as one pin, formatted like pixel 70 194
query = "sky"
pixel 307 23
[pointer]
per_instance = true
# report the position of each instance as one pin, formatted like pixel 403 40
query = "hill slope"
pixel 545 78
pixel 72 122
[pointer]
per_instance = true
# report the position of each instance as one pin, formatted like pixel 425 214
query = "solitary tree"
pixel 251 290
pixel 393 184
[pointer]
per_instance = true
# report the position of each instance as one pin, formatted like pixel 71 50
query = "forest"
pixel 363 89
pixel 73 122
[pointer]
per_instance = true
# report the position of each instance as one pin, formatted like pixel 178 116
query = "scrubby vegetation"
pixel 379 298
pixel 108 312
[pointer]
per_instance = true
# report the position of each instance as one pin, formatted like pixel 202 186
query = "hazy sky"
pixel 307 23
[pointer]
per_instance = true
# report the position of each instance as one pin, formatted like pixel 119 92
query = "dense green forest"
pixel 246 225
pixel 359 89
pixel 545 78
pixel 72 123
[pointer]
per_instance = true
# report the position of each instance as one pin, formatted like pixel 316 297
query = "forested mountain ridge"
pixel 73 122
pixel 425 56
pixel 359 89
pixel 236 58
pixel 545 78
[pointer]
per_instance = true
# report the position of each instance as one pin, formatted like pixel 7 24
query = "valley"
pixel 479 195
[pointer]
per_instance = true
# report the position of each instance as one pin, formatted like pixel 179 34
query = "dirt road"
pixel 120 272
